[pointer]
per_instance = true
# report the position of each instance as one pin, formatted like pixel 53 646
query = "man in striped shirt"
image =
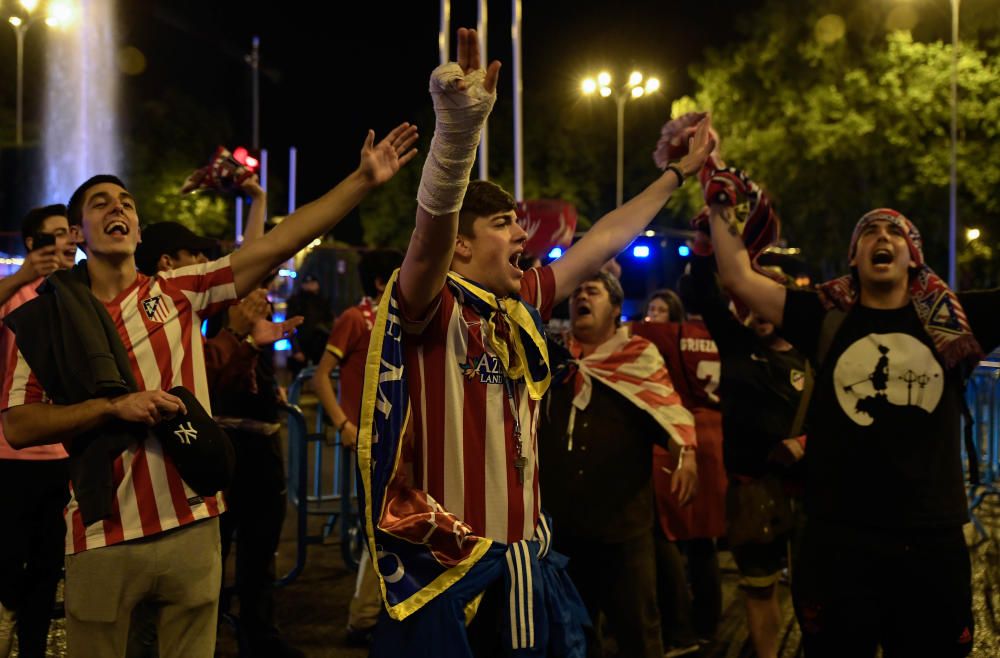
pixel 475 429
pixel 32 481
pixel 161 540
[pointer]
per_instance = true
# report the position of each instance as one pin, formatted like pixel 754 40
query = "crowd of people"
pixel 522 493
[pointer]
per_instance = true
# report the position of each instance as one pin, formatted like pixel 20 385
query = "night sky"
pixel 329 73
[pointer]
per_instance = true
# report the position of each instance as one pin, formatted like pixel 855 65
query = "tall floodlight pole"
pixel 444 32
pixel 482 24
pixel 515 37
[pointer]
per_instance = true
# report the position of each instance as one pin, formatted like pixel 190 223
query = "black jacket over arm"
pixel 72 347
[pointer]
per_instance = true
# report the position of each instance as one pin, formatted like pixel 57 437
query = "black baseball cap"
pixel 167 238
pixel 200 449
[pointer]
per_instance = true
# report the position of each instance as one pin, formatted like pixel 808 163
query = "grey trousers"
pixel 179 572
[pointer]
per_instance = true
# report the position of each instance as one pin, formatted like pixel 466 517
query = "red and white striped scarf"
pixel 936 304
pixel 632 367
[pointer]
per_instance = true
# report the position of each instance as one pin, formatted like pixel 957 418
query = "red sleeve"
pixel 210 286
pixel 229 364
pixel 20 386
pixel 348 328
pixel 538 288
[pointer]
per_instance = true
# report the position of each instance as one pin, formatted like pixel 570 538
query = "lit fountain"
pixel 80 135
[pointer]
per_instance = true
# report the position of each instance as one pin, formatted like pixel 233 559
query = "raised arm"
pixel 258 210
pixel 463 95
pixel 40 262
pixel 379 163
pixel 618 228
pixel 762 295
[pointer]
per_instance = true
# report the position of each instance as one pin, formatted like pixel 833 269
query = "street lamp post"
pixel 633 89
pixel 953 183
pixel 20 29
pixel 60 16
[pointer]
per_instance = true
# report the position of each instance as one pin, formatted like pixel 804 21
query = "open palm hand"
pixel 380 162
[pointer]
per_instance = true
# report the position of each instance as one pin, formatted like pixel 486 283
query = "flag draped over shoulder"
pixel 419 548
pixel 632 367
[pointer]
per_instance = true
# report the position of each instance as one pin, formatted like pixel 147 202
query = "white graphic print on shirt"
pixel 886 369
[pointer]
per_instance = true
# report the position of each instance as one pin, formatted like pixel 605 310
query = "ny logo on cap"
pixel 186 434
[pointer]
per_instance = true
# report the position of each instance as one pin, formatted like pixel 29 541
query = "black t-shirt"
pixel 884 422
pixel 760 387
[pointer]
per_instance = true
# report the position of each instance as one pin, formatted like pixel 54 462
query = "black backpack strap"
pixel 832 321
pixel 800 413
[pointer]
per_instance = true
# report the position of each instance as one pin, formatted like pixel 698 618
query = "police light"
pixel 683 251
pixel 556 252
pixel 640 251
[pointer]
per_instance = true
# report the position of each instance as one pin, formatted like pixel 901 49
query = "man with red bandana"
pixel 883 560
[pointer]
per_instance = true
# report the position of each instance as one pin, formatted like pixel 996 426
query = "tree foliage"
pixel 834 127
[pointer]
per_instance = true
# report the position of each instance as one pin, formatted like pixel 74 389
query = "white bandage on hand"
pixel 461 115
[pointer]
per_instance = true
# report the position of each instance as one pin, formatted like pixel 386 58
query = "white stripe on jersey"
pixel 496 455
pixel 19 386
pixel 138 338
pixel 128 505
pixel 528 415
pixel 454 421
pixel 158 478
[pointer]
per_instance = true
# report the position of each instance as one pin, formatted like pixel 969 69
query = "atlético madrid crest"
pixel 155 308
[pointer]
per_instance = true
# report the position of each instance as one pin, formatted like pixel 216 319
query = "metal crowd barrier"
pixel 337 500
pixel 982 394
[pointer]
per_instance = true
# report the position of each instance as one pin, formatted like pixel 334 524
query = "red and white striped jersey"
pixel 463 421
pixel 8 352
pixel 158 319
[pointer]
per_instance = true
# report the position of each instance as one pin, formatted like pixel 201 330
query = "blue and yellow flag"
pixel 419 549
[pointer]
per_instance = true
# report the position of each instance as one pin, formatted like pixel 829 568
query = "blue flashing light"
pixel 640 251
pixel 288 273
pixel 283 345
pixel 204 327
pixel 683 251
pixel 556 252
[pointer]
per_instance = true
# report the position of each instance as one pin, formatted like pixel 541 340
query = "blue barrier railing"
pixel 329 492
pixel 982 394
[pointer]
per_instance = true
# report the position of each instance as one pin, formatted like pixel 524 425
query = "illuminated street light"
pixel 60 13
pixel 632 89
pixel 972 234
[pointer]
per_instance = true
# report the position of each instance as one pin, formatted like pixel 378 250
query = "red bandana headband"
pixel 936 304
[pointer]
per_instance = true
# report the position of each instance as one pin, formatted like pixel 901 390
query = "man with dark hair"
pixel 32 481
pixel 883 560
pixel 460 335
pixel 347 349
pixel 143 533
pixel 595 444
